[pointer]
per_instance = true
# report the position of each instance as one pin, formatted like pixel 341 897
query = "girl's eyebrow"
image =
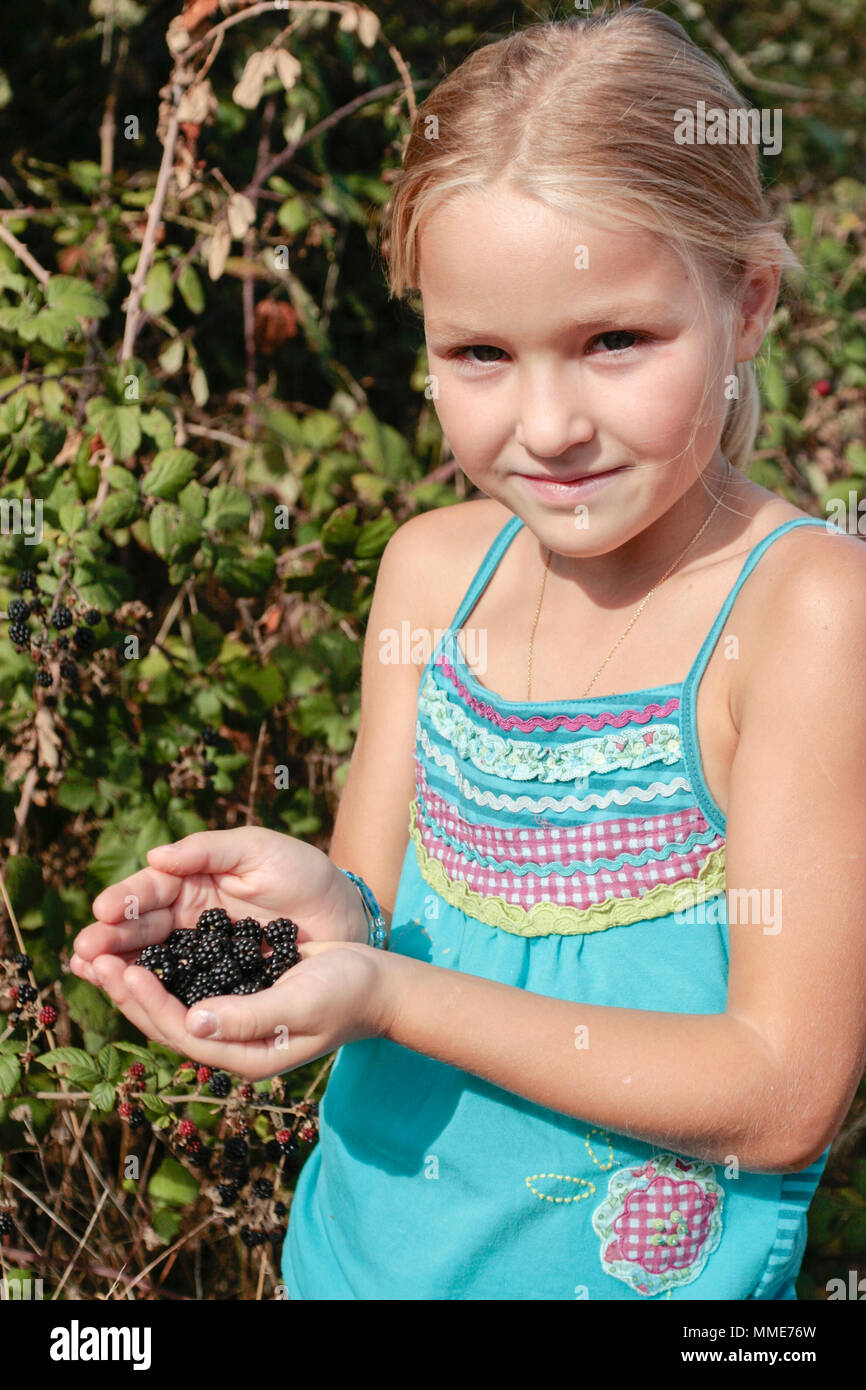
pixel 641 308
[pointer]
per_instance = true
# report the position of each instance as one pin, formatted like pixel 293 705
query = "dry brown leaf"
pixel 195 11
pixel 288 67
pixel 259 67
pixel 47 742
pixel 219 249
pixel 240 213
pixel 197 104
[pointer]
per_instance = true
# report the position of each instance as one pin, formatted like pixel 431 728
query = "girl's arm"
pixel 771 1079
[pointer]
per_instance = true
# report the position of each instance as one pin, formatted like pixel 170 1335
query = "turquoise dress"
pixel 571 848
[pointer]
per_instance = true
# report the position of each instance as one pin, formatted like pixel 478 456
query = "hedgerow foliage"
pixel 222 420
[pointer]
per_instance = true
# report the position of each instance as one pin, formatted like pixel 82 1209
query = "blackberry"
pixel 263 1187
pixel 280 1209
pixel 247 953
pixel 227 1193
pixel 7 1225
pixel 36 605
pixel 62 643
pixel 26 993
pixel 202 987
pixel 251 1236
pixel 92 617
pixel 287 1143
pixel 181 945
pixel 44 678
pixel 220 1084
pixel 245 925
pixel 61 617
pixel 213 917
pixel 209 735
pixel 198 1156
pixel 225 973
pixel 26 580
pixel 209 768
pixel 136 1119
pixel 155 954
pixel 272 1151
pixel 18 610
pixel 281 929
pixel 250 986
pixel 240 1174
pixel 276 1236
pixel 19 633
pixel 69 670
pixel 212 948
pixel 83 639
pixel 22 963
pixel 236 1149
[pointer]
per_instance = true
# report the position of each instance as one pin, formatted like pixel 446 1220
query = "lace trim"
pixel 556 721
pixel 549 918
pixel 528 761
pixel 617 796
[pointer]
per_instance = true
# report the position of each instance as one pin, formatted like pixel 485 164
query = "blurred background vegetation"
pixel 223 452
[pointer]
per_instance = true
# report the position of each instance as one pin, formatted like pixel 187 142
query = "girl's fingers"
pixel 104 938
pixel 149 889
pixel 203 852
pixel 110 974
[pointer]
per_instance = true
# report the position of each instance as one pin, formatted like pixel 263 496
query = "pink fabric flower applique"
pixel 659 1223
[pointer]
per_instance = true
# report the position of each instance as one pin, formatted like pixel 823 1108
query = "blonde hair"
pixel 580 114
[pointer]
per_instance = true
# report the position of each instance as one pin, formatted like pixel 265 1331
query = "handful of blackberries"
pixel 219 956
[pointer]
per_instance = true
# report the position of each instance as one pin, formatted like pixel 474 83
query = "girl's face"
pixel 561 349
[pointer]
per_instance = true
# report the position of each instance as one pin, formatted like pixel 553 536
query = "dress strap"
pixel 485 570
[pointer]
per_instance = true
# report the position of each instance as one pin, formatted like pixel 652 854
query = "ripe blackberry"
pixel 44 678
pixel 209 735
pixel 272 1151
pixel 198 1154
pixel 202 987
pixel 220 1084
pixel 276 1236
pixel 249 986
pixel 212 948
pixel 26 580
pixel 281 929
pixel 227 1193
pixel 152 955
pixel 247 953
pixel 7 1225
pixel 62 643
pixel 236 1149
pixel 180 942
pixel 213 917
pixel 136 1119
pixel 225 974
pixel 48 1016
pixel 61 617
pixel 18 610
pixel 22 963
pixel 280 1209
pixel 263 1187
pixel 92 617
pixel 84 639
pixel 19 634
pixel 252 1236
pixel 26 993
pixel 36 605
pixel 69 670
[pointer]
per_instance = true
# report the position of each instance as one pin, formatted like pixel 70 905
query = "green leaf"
pixel 340 530
pixel 155 1105
pixel 171 470
pixel 158 427
pixel 119 425
pixel 10 1072
pixel 171 357
pixel 75 296
pixel 172 532
pixel 166 1222
pixel 245 574
pixel 192 499
pixel 102 1095
pixel 90 1009
pixel 65 1056
pixel 72 517
pixel 135 1051
pixel 375 535
pixel 191 289
pixel 171 1183
pixel 158 289
pixel 227 508
pixel 119 509
pixel 24 882
pixel 319 430
pixel 109 1062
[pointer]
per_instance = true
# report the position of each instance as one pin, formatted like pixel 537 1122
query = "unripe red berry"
pixel 13 994
pixel 247 1092
pixel 137 1069
pixel 283 1136
pixel 48 1015
pixel 823 387
pixel 308 1134
pixel 203 1074
pixel 125 1110
pixel 186 1129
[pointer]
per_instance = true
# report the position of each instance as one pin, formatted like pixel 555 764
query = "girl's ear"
pixel 758 300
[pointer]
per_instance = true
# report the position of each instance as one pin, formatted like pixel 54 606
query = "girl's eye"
pixel 616 348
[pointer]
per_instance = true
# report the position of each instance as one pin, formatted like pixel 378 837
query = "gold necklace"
pixel 642 605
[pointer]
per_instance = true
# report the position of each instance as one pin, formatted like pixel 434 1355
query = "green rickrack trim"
pixel 548 918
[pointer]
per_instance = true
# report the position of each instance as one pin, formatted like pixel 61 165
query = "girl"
pixel 621 1016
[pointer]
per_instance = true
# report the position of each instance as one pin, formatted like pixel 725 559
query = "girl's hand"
pixel 248 871
pixel 335 994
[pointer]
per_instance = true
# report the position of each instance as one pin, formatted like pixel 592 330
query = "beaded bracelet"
pixel 378 932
